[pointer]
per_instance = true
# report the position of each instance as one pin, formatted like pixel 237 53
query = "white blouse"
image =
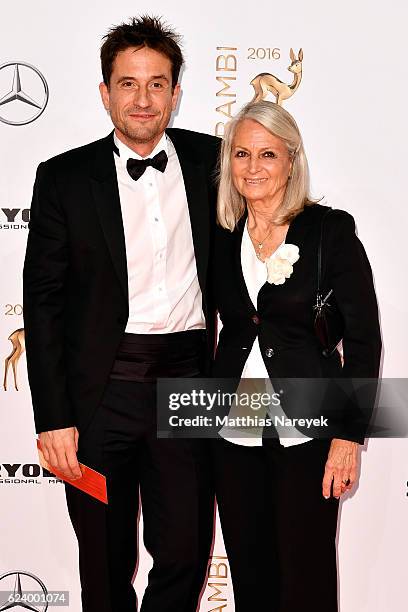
pixel 255 274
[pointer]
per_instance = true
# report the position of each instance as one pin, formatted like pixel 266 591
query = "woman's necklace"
pixel 259 244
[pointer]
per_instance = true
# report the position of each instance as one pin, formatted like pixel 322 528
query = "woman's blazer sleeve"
pixel 349 275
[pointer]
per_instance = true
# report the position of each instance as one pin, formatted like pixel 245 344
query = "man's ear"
pixel 104 91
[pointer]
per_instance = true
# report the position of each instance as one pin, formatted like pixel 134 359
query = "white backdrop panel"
pixel 351 109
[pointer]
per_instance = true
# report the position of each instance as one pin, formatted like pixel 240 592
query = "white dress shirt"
pixel 164 292
pixel 255 274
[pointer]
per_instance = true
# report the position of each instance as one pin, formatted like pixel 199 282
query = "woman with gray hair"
pixel 278 496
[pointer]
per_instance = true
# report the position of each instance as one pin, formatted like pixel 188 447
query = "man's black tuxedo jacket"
pixel 283 317
pixel 75 272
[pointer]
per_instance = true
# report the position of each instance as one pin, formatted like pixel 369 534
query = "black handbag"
pixel 328 320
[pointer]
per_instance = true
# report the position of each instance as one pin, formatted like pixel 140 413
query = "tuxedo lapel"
pixel 106 196
pixel 195 182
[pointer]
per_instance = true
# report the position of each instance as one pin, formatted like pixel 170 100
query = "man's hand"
pixel 60 447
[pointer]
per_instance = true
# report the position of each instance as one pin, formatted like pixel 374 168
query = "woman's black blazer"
pixel 283 316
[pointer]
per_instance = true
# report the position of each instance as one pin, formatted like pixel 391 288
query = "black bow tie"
pixel 136 167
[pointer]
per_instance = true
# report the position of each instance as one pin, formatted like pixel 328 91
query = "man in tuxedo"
pixel 115 296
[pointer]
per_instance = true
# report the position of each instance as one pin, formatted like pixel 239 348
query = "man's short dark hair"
pixel 144 31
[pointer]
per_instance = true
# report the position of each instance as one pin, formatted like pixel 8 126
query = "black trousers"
pixel 176 495
pixel 279 531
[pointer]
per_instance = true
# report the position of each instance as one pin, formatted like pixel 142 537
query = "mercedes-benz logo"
pixel 16 105
pixel 17 601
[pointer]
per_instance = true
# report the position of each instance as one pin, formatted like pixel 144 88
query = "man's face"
pixel 140 97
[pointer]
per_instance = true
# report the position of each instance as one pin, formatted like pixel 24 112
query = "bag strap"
pixel 319 253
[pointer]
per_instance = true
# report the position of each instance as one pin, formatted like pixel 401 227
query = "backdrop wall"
pixel 351 109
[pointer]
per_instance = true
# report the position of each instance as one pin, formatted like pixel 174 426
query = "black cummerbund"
pixel 146 357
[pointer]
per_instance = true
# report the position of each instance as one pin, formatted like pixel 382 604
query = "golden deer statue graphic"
pixel 265 82
pixel 18 341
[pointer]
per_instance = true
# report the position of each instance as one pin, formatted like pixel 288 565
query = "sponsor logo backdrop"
pixel 351 108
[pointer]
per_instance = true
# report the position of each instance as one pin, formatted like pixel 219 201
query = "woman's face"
pixel 260 163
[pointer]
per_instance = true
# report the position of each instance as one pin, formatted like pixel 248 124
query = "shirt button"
pixel 269 352
pixel 256 319
pixel 156 219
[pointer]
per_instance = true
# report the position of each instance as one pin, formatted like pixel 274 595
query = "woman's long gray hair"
pixel 231 204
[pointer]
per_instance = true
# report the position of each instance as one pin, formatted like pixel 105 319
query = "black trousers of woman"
pixel 278 529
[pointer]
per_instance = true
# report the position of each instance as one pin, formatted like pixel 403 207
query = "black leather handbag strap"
pixel 319 253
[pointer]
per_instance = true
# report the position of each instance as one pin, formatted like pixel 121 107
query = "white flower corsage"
pixel 280 264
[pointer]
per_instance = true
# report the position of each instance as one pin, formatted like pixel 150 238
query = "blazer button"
pixel 256 319
pixel 269 352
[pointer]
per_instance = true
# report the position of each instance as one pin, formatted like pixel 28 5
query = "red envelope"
pixel 92 482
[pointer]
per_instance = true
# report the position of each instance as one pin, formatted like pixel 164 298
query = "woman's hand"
pixel 341 467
